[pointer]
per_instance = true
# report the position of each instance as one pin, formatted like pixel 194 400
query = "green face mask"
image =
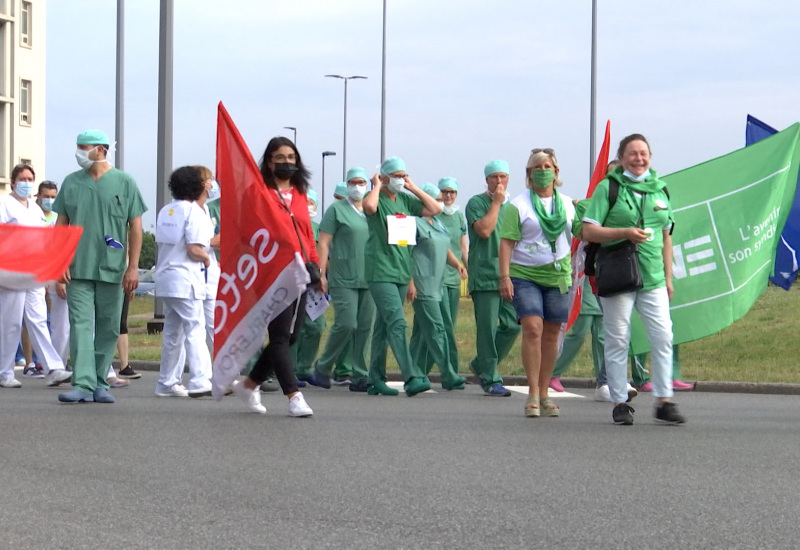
pixel 543 178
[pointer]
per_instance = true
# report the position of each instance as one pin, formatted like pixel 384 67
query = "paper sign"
pixel 402 230
pixel 316 304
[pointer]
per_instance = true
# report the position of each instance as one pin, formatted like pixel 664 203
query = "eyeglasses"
pixel 546 151
pixel 449 191
pixel 284 158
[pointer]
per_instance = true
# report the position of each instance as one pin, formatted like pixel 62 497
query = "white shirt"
pixel 181 223
pixel 533 248
pixel 14 212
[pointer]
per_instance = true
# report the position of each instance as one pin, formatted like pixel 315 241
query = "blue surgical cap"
pixel 311 195
pixel 392 164
pixel 430 189
pixel 357 172
pixel 341 189
pixel 448 183
pixel 93 137
pixel 494 167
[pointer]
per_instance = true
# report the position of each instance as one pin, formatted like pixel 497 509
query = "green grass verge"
pixel 760 347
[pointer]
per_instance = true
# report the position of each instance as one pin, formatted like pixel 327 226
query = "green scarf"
pixel 552 224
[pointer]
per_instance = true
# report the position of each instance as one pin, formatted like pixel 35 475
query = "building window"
pixel 26 162
pixel 25 102
pixel 25 25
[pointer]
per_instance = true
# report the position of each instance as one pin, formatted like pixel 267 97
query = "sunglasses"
pixel 546 151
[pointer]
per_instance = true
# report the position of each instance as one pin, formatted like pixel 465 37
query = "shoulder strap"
pixel 613 193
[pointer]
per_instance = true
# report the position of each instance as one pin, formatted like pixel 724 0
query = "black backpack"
pixel 592 248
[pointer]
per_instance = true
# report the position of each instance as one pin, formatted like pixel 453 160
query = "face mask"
pixel 83 158
pixel 47 204
pixel 633 177
pixel 396 184
pixel 543 178
pixel 356 192
pixel 213 193
pixel 449 210
pixel 312 211
pixel 284 170
pixel 23 189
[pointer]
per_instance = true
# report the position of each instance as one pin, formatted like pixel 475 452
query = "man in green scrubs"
pixel 495 319
pixel 106 202
pixel 388 273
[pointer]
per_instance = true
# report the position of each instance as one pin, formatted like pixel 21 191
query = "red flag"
pixel 31 257
pixel 578 256
pixel 262 270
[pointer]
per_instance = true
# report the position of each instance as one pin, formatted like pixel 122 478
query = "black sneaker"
pixel 128 372
pixel 623 414
pixel 269 385
pixel 668 413
pixel 359 385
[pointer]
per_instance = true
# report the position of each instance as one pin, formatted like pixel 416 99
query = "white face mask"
pixel 213 193
pixel 356 192
pixel 396 184
pixel 23 189
pixel 83 158
pixel 47 204
pixel 312 211
pixel 449 210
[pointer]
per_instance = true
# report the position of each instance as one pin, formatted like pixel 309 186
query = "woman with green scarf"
pixel 535 272
pixel 641 214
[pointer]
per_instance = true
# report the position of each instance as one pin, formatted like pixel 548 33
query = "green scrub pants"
pixel 432 339
pixel 573 342
pixel 95 308
pixel 390 329
pixel 497 330
pixel 353 317
pixel 305 348
pixel 638 362
pixel 453 296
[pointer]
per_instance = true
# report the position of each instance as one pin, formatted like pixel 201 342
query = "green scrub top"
pixel 484 262
pixel 103 208
pixel 389 263
pixel 213 211
pixel 456 225
pixel 656 213
pixel 346 253
pixel 430 259
pixel 315 229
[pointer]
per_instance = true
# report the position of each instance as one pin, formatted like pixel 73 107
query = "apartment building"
pixel 22 86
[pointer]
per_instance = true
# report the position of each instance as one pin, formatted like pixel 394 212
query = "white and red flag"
pixel 32 257
pixel 262 270
pixel 578 246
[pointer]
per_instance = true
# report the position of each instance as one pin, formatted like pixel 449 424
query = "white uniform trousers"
pixel 209 305
pixel 184 324
pixel 30 304
pixel 59 324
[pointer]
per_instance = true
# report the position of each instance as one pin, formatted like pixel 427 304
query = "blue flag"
pixel 786 265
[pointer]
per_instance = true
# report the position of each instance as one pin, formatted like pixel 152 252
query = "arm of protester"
pixel 130 281
pixel 323 248
pixel 486 225
pixel 430 206
pixel 197 252
pixel 411 294
pixel 506 288
pixel 370 203
pixel 464 250
pixel 594 233
pixel 215 240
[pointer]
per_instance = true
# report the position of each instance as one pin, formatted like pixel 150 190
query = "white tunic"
pixel 12 211
pixel 177 275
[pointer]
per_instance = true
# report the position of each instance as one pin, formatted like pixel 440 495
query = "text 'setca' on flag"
pixel 262 271
pixel 729 214
pixel 32 257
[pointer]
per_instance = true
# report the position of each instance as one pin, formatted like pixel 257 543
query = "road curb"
pixel 768 388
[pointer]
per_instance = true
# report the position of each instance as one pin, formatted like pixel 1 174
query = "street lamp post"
pixel 325 154
pixel 293 129
pixel 344 144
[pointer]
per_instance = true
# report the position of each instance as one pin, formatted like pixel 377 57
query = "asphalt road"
pixel 443 470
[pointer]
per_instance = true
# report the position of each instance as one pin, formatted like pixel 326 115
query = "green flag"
pixel 729 213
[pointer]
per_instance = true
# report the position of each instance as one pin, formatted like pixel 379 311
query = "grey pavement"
pixel 444 470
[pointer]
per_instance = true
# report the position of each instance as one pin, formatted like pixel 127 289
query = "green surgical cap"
pixel 93 137
pixel 311 195
pixel 430 189
pixel 357 172
pixel 448 183
pixel 341 189
pixel 392 164
pixel 494 167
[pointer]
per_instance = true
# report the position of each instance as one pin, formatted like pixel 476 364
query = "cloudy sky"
pixel 467 81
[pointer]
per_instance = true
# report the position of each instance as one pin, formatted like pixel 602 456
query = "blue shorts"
pixel 543 301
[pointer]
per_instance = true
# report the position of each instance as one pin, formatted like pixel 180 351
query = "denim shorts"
pixel 543 301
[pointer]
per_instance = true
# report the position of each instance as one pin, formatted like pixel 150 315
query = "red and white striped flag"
pixel 262 270
pixel 32 257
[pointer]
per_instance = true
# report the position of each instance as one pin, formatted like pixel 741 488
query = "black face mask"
pixel 284 170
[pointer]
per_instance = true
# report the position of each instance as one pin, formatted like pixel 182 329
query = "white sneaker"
pixel 601 393
pixel 176 390
pixel 298 406
pixel 251 398
pixel 632 392
pixel 10 383
pixel 57 376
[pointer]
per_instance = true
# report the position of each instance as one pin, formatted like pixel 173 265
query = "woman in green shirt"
pixel 535 272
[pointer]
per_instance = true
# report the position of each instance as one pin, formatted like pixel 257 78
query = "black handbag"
pixel 617 269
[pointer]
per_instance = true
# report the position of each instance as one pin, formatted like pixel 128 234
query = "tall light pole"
pixel 325 154
pixel 383 88
pixel 293 129
pixel 593 94
pixel 344 144
pixel 119 156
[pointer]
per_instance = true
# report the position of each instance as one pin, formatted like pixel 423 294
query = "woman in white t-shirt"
pixel 183 235
pixel 18 208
